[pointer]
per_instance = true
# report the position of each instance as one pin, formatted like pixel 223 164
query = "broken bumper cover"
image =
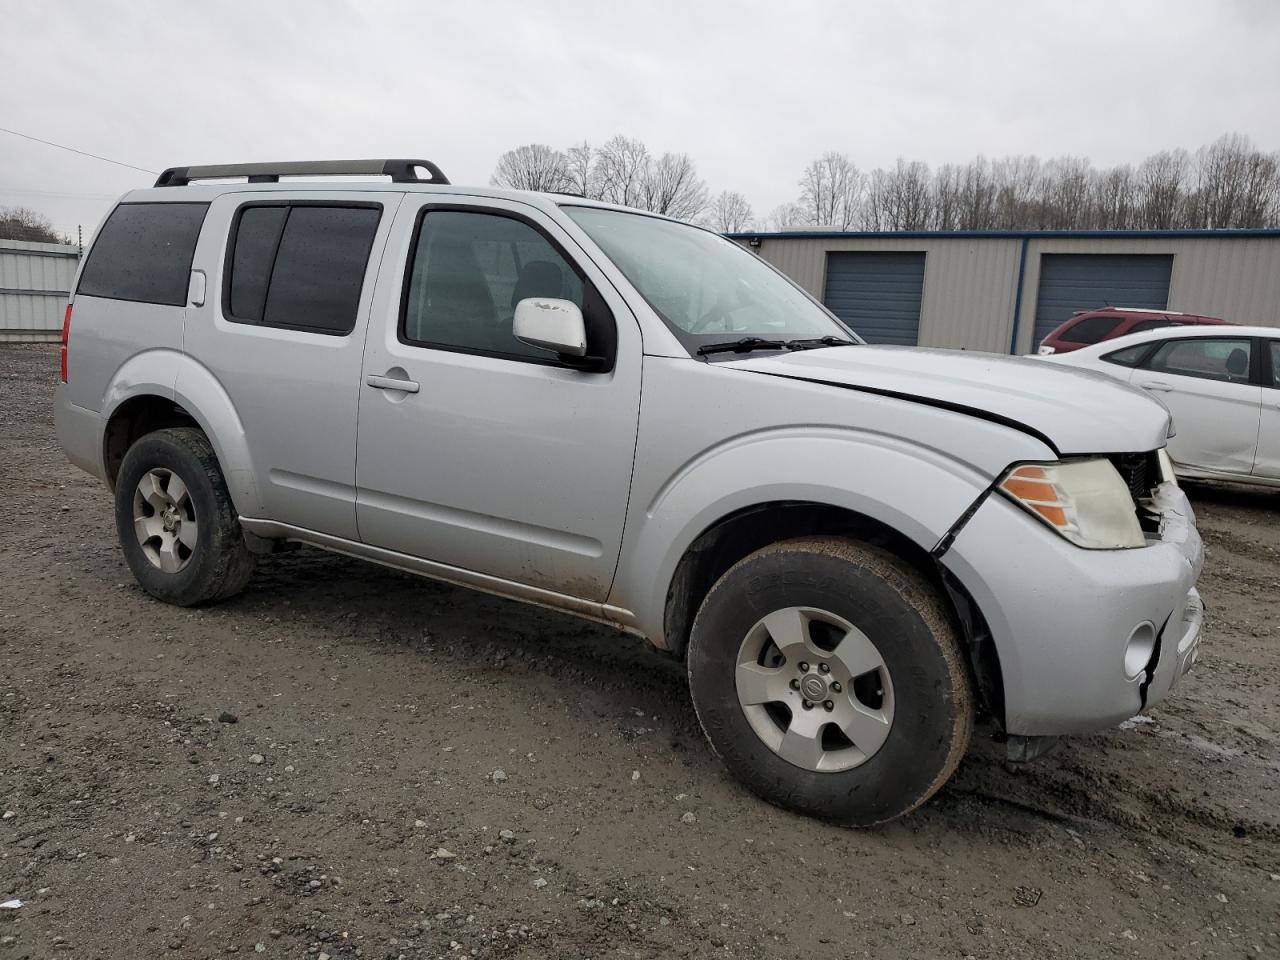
pixel 1061 617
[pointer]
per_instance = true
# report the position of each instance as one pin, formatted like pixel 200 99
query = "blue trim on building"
pixel 1242 234
pixel 1017 295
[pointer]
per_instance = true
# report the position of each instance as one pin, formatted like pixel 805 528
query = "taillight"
pixel 66 338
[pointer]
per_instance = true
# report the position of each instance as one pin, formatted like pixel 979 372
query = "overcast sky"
pixel 752 90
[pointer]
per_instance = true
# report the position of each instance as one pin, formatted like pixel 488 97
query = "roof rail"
pixel 400 171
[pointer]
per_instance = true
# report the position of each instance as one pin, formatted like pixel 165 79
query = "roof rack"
pixel 400 171
pixel 1164 313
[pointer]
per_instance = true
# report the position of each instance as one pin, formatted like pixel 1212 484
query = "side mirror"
pixel 551 324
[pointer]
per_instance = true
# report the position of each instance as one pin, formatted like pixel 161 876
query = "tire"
pixel 184 489
pixel 843 610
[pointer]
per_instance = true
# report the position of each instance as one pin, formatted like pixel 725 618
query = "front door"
pixel 1207 384
pixel 479 451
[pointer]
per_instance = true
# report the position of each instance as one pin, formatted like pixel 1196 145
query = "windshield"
pixel 706 288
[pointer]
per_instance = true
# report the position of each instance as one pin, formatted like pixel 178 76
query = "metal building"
pixel 1002 291
pixel 35 282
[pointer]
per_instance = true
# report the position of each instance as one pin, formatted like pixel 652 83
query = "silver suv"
pixel 637 421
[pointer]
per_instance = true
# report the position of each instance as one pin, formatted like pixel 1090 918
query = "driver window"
pixel 468 273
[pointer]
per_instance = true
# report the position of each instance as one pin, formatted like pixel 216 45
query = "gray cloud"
pixel 753 90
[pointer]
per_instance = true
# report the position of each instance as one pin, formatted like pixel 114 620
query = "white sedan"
pixel 1222 385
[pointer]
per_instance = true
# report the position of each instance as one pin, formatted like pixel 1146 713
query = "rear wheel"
pixel 829 678
pixel 178 529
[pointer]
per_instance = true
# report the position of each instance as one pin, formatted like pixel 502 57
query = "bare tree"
pixel 1064 188
pixel 978 191
pixel 899 199
pixel 620 170
pixel 579 164
pixel 787 216
pixel 671 186
pixel 730 213
pixel 534 166
pixel 830 191
pixel 947 193
pixel 1236 185
pixel 23 223
pixel 1114 201
pixel 1162 183
pixel 1017 184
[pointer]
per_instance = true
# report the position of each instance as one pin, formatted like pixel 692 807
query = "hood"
pixel 1076 411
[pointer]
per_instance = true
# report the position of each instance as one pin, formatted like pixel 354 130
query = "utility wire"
pixel 6 191
pixel 94 156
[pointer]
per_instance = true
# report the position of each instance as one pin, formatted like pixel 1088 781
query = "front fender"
pixel 176 376
pixel 918 492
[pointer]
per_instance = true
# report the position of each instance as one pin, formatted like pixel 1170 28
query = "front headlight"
pixel 1084 500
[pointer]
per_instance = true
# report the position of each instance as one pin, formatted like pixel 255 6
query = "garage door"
pixel 877 294
pixel 1076 281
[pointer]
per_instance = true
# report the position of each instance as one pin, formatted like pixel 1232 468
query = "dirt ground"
pixel 420 771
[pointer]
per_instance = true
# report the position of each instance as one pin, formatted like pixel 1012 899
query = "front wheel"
pixel 178 529
pixel 828 677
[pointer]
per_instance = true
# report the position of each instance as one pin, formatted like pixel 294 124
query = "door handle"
pixel 1159 385
pixel 391 383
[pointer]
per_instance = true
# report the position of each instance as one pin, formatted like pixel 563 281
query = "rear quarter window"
pixel 1129 356
pixel 143 253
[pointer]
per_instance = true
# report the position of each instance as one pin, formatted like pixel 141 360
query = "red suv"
pixel 1087 327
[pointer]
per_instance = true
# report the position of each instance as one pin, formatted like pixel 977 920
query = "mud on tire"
pixel 182 485
pixel 899 628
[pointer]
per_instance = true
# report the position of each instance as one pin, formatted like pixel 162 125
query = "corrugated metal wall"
pixel 970 282
pixel 35 281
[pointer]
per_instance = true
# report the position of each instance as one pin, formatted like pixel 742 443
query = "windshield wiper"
pixel 747 344
pixel 812 343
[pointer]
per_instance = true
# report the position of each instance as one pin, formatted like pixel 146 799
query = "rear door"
pixel 1209 385
pixel 1268 460
pixel 478 451
pixel 282 329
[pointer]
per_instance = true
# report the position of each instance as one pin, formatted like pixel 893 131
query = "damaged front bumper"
pixel 1065 620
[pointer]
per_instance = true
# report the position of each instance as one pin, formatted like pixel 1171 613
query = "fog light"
pixel 1137 652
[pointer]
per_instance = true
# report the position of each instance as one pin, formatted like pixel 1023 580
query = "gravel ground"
pixel 418 771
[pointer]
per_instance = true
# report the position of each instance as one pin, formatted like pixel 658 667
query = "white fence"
pixel 35 282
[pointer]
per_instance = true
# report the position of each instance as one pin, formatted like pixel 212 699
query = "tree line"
pixel 22 223
pixel 1229 183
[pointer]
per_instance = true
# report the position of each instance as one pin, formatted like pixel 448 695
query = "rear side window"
pixel 143 253
pixel 1090 330
pixel 299 266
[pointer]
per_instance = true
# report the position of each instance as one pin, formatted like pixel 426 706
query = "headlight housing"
pixel 1084 500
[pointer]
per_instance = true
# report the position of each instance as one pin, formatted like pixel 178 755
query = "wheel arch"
pixel 738 534
pixel 140 404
